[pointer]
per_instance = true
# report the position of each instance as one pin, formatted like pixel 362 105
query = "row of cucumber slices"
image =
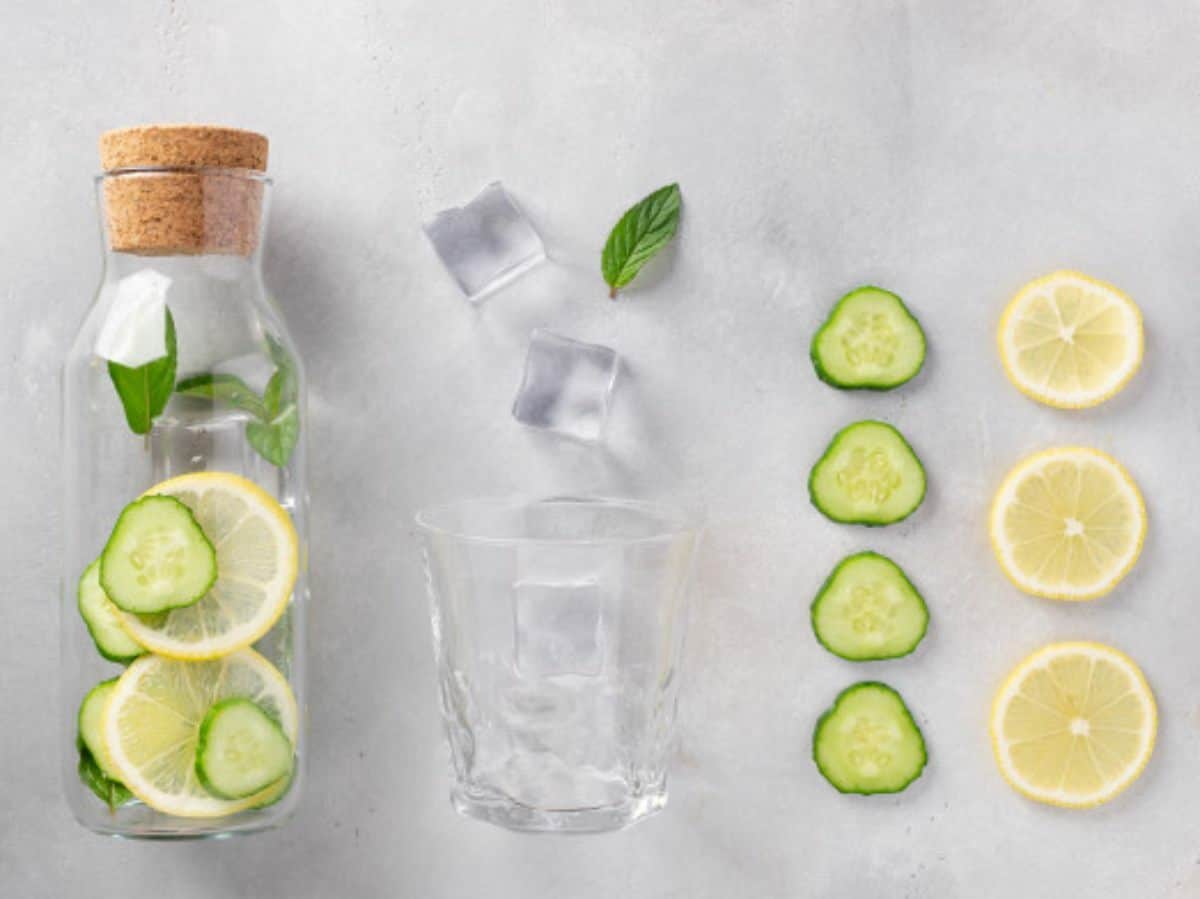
pixel 868 609
pixel 198 725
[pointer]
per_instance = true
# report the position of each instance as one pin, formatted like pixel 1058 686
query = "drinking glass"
pixel 558 628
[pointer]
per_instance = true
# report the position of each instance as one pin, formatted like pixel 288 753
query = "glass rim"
pixel 676 521
pixel 212 171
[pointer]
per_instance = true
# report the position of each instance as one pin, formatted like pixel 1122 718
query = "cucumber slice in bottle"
pixel 870 341
pixel 868 475
pixel 241 750
pixel 867 742
pixel 103 619
pixel 868 609
pixel 91 715
pixel 157 558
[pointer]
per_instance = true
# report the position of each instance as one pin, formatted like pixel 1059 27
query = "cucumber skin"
pixel 112 657
pixel 202 745
pixel 116 527
pixel 877 386
pixel 832 710
pixel 865 522
pixel 867 554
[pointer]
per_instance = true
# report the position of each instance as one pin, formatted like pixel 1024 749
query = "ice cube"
pixel 567 386
pixel 558 628
pixel 486 243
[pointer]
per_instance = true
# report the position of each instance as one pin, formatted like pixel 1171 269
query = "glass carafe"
pixel 182 281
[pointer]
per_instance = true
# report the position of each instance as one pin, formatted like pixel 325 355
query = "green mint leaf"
pixel 145 389
pixel 282 391
pixel 223 387
pixel 644 229
pixel 283 388
pixel 275 439
pixel 111 792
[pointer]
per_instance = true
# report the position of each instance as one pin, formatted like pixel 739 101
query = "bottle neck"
pixel 220 270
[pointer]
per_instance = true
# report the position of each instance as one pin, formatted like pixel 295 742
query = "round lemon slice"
pixel 1074 724
pixel 1070 341
pixel 257 558
pixel 152 720
pixel 1068 523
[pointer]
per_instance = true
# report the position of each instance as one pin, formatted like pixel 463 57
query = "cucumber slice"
pixel 867 475
pixel 867 742
pixel 91 715
pixel 241 750
pixel 157 558
pixel 868 609
pixel 103 620
pixel 869 342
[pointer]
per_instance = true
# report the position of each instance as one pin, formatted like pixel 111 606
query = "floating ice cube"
pixel 558 628
pixel 567 386
pixel 486 243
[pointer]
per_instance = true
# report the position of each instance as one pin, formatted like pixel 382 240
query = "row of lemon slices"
pixel 1075 723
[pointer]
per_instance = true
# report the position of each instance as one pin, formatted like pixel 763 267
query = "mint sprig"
pixel 145 389
pixel 276 428
pixel 644 229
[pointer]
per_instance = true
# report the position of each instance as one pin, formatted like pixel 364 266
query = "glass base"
pixel 505 812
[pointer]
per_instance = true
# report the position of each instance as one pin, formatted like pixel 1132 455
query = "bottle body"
pixel 233 404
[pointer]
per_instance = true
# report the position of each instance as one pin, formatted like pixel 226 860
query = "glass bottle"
pixel 183 211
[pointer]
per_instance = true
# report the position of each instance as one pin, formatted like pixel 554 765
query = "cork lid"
pixel 183 146
pixel 183 189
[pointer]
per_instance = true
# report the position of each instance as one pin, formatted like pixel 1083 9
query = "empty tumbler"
pixel 558 629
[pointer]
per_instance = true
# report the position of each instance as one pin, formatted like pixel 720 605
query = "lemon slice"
pixel 1070 341
pixel 1068 523
pixel 152 721
pixel 1074 724
pixel 257 552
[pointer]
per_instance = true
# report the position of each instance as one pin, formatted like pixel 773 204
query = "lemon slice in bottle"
pixel 257 560
pixel 152 722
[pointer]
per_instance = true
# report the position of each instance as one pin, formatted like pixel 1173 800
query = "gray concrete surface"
pixel 950 150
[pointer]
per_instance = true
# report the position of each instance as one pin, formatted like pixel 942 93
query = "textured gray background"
pixel 950 150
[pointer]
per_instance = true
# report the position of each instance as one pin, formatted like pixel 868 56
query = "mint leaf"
pixel 224 387
pixel 281 390
pixel 275 439
pixel 276 436
pixel 145 389
pixel 111 792
pixel 277 430
pixel 644 229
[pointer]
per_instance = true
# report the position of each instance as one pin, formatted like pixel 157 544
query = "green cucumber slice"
pixel 868 609
pixel 241 750
pixel 870 341
pixel 91 725
pixel 868 475
pixel 867 742
pixel 103 619
pixel 157 558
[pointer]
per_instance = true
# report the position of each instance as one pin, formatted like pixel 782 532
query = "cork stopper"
pixel 205 198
